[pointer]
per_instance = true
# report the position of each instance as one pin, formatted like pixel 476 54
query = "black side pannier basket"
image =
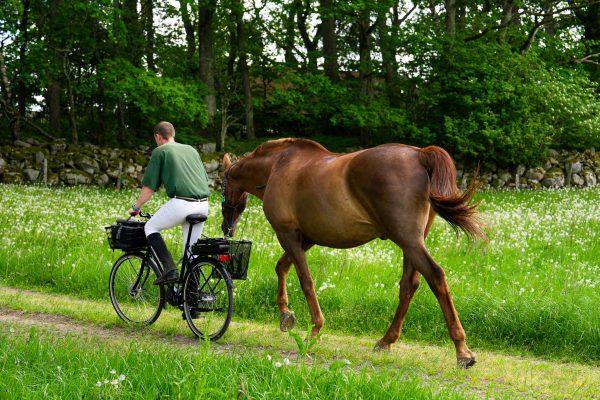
pixel 127 235
pixel 238 251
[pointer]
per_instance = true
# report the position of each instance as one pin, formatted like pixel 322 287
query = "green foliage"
pixel 308 343
pixel 485 102
pixel 157 98
pixel 309 104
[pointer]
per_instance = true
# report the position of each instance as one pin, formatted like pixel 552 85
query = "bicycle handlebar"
pixel 141 214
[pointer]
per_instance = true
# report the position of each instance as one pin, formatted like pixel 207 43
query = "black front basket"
pixel 237 250
pixel 127 235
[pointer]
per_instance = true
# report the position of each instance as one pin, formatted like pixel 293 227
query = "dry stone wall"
pixel 59 163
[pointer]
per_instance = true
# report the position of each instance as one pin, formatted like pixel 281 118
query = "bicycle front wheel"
pixel 132 294
pixel 208 299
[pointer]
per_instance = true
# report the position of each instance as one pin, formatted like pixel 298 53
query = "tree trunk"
pixel 101 122
pixel 148 18
pixel 54 89
pixel 365 68
pixel 134 34
pixel 364 51
pixel 53 104
pixel 450 17
pixel 328 25
pixel 71 98
pixel 243 69
pixel 21 87
pixel 311 45
pixel 206 15
pixel 507 15
pixel 190 36
pixel 289 37
pixel 387 48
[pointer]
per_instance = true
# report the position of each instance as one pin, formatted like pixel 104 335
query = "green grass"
pixel 496 375
pixel 533 289
pixel 39 364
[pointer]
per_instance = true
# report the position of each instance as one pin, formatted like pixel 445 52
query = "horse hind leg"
pixel 408 286
pixel 436 279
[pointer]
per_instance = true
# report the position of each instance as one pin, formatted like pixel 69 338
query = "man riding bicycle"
pixel 179 169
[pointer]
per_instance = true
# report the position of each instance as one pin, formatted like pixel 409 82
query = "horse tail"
pixel 444 195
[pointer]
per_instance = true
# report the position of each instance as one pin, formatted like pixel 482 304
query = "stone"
pixel 554 178
pixel 2 165
pixel 12 176
pixel 113 172
pixel 39 157
pixel 553 161
pixel 58 147
pixel 87 164
pixel 129 169
pixel 53 179
pixel 574 167
pixel 590 178
pixel 553 153
pixel 553 182
pixel 32 174
pixel 20 143
pixel 576 179
pixel 211 166
pixel 536 174
pixel 504 175
pixel 520 170
pixel 208 148
pixel 74 177
pixel 102 180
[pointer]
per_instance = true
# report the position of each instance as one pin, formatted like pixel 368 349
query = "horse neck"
pixel 254 174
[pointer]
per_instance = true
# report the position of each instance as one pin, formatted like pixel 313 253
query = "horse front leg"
pixel 295 249
pixel 287 319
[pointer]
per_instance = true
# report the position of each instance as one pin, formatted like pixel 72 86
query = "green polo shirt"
pixel 179 169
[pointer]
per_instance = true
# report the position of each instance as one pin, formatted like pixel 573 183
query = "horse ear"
pixel 226 161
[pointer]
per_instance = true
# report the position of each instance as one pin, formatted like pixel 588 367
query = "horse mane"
pixel 271 145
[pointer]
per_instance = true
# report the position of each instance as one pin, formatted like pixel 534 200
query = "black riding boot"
pixel 170 273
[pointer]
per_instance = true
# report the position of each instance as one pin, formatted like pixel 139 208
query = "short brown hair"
pixel 165 129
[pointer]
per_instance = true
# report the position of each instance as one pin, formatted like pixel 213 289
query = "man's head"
pixel 164 132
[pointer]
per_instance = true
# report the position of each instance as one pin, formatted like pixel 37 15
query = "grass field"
pixel 41 364
pixel 533 290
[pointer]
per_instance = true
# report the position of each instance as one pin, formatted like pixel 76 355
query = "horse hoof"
pixel 382 346
pixel 287 320
pixel 466 362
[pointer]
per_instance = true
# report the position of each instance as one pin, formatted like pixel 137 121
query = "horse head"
pixel 234 198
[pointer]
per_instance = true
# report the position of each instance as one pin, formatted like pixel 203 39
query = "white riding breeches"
pixel 173 213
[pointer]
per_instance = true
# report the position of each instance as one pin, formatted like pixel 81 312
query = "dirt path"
pixel 495 375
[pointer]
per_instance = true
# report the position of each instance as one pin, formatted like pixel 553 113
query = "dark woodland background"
pixel 498 80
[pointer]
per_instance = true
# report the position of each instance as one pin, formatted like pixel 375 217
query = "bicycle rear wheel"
pixel 208 299
pixel 132 294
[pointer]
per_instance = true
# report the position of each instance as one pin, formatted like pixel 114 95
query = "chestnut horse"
pixel 312 196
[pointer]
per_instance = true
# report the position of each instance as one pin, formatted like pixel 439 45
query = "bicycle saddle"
pixel 195 218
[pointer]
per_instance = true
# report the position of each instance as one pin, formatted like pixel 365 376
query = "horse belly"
pixel 335 224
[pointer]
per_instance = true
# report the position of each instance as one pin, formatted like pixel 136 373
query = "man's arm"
pixel 145 195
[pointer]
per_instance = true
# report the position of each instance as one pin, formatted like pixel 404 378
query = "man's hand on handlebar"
pixel 134 210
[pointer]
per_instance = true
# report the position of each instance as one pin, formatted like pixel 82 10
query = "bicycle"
pixel 204 291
